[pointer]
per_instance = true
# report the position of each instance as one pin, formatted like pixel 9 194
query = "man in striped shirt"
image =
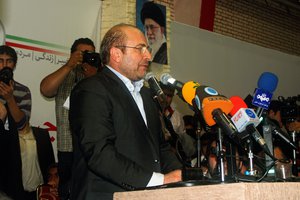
pixel 14 95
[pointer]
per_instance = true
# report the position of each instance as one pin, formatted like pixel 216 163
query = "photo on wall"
pixel 151 20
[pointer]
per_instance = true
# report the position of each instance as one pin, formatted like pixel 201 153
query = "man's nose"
pixel 148 55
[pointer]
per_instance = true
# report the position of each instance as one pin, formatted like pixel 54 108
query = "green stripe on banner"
pixel 13 37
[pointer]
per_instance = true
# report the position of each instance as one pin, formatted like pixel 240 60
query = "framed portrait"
pixel 151 20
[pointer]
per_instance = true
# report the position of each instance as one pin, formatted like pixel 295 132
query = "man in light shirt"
pixel 117 133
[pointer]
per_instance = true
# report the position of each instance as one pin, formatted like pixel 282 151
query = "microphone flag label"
pixel 262 98
pixel 242 118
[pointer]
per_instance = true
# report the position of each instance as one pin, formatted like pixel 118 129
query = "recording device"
pixel 290 110
pixel 154 85
pixel 167 79
pixel 208 99
pixel 267 84
pixel 91 58
pixel 277 131
pixel 214 108
pixel 246 119
pixel 6 74
pixel 241 115
pixel 189 91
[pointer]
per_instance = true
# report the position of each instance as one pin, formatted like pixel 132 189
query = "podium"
pixel 222 191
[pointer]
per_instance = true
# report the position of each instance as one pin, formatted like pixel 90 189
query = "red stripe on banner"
pixel 22 46
pixel 207 14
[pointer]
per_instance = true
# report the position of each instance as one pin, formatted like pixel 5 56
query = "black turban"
pixel 152 11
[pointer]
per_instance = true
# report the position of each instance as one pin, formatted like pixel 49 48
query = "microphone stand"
pixel 294 163
pixel 198 132
pixel 250 156
pixel 220 154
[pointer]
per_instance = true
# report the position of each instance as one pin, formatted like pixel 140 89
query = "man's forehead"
pixel 136 36
pixel 5 56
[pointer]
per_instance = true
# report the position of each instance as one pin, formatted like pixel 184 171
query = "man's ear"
pixel 116 54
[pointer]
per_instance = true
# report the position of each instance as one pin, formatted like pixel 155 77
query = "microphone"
pixel 208 99
pixel 277 131
pixel 154 85
pixel 242 116
pixel 246 119
pixel 215 108
pixel 189 91
pixel 188 88
pixel 267 84
pixel 167 79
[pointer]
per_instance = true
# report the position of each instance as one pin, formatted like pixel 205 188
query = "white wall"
pixel 231 66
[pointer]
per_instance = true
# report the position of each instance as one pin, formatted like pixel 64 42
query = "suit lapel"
pixel 135 112
pixel 123 89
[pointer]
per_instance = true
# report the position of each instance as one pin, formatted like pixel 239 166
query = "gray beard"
pixel 156 45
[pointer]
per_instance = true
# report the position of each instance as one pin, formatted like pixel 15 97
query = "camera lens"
pixel 6 74
pixel 91 58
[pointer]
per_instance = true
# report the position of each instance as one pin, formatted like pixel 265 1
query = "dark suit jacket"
pixel 11 163
pixel 113 148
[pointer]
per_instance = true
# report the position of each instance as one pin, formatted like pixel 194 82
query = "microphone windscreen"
pixel 209 100
pixel 189 91
pixel 238 103
pixel 164 78
pixel 268 81
pixel 149 75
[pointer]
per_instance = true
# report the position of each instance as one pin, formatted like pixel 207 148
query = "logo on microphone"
pixel 262 98
pixel 210 91
pixel 250 113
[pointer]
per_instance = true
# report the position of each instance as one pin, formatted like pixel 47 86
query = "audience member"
pixel 154 22
pixel 19 147
pixel 117 135
pixel 49 190
pixel 53 177
pixel 174 129
pixel 59 85
pixel 281 150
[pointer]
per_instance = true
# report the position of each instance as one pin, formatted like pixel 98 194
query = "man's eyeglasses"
pixel 150 27
pixel 141 48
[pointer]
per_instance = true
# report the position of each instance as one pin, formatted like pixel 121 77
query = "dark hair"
pixel 52 165
pixel 114 37
pixel 79 41
pixel 4 49
pixel 275 105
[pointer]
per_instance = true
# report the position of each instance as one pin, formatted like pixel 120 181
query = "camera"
pixel 6 74
pixel 290 109
pixel 91 58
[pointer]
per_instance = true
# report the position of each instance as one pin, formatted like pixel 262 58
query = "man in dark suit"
pixel 117 135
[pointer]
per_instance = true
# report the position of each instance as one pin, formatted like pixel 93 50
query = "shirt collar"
pixel 131 86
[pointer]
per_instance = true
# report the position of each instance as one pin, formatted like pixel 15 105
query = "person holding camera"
pixel 15 96
pixel 21 149
pixel 83 62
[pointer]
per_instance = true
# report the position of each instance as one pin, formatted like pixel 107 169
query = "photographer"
pixel 15 96
pixel 83 62
pixel 15 110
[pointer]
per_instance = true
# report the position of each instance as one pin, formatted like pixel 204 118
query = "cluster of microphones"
pixel 232 114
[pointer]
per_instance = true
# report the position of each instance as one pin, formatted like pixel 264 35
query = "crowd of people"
pixel 112 135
